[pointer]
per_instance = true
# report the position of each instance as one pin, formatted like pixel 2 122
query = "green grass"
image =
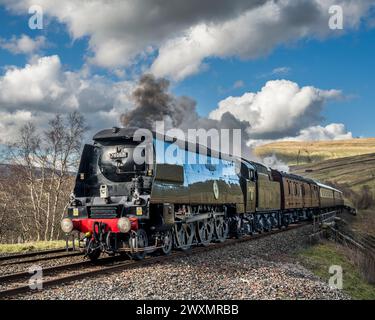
pixel 31 246
pixel 319 258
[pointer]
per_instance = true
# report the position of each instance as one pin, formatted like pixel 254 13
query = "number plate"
pixel 75 212
pixel 139 211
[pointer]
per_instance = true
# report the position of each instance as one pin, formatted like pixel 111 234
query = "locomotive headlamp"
pixel 124 224
pixel 104 191
pixel 66 225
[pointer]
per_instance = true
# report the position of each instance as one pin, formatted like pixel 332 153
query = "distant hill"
pixel 304 152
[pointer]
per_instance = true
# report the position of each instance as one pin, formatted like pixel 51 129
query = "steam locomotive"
pixel 123 206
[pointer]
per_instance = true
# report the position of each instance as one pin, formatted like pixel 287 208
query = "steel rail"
pixel 60 256
pixel 32 254
pixel 62 267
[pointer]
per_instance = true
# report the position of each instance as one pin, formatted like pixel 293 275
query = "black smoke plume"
pixel 153 102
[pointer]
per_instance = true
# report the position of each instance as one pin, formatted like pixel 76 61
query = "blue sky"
pixel 342 61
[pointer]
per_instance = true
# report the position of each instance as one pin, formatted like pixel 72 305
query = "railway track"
pixel 12 285
pixel 32 254
pixel 41 257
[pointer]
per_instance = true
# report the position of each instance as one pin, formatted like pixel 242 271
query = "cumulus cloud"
pixel 119 31
pixel 11 122
pixel 35 85
pixel 252 34
pixel 182 34
pixel 43 87
pixel 23 44
pixel 333 131
pixel 280 109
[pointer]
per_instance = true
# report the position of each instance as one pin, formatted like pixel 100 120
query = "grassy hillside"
pixel 355 176
pixel 353 172
pixel 302 152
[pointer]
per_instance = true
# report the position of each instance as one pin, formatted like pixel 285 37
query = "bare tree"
pixel 41 166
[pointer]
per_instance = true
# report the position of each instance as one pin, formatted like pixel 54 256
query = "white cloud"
pixel 119 31
pixel 11 122
pixel 333 131
pixel 23 45
pixel 185 33
pixel 33 84
pixel 252 34
pixel 42 88
pixel 281 108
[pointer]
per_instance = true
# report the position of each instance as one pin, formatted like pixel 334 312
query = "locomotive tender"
pixel 121 206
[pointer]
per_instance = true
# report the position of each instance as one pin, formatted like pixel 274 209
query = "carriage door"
pixel 250 192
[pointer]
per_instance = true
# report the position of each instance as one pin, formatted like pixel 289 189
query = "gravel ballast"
pixel 259 269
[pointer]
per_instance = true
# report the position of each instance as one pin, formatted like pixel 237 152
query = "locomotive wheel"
pixel 267 224
pixel 92 251
pixel 94 255
pixel 205 231
pixel 286 221
pixel 221 229
pixel 258 224
pixel 167 243
pixel 184 235
pixel 141 237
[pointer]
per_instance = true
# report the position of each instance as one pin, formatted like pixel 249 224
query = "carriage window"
pixel 288 187
pixel 295 189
